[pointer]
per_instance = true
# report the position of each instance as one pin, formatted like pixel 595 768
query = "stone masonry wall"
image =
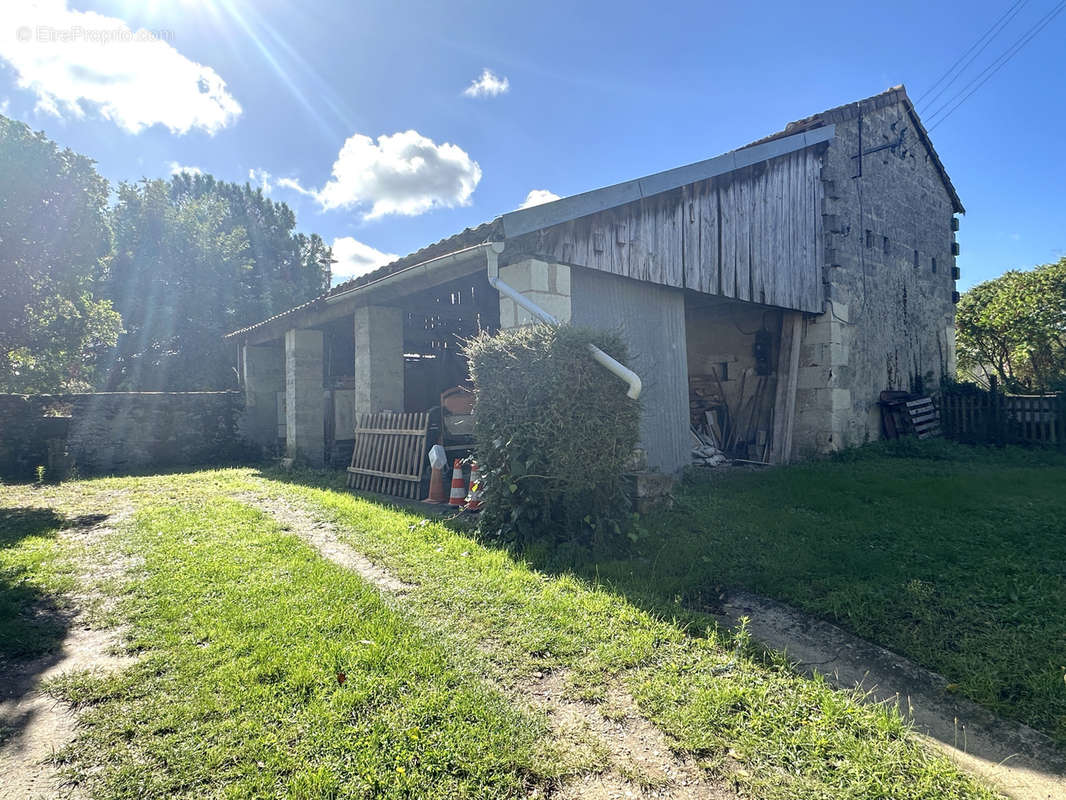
pixel 118 432
pixel 890 318
pixel 547 285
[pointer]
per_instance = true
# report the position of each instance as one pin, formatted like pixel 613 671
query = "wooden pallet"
pixel 389 454
pixel 924 417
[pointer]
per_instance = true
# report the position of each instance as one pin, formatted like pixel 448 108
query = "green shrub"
pixel 554 431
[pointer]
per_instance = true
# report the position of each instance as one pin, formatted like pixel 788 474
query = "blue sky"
pixel 358 114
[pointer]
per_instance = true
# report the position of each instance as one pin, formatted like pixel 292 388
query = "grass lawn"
pixel 241 631
pixel 953 556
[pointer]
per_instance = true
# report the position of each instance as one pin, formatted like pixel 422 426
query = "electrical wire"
pixel 983 76
pixel 987 38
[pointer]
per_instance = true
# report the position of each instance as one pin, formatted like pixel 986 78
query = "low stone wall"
pixel 118 432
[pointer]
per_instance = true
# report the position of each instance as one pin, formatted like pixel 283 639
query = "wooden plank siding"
pixel 752 234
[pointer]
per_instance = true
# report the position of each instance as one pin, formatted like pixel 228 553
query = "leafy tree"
pixel 194 259
pixel 1014 327
pixel 286 268
pixel 55 243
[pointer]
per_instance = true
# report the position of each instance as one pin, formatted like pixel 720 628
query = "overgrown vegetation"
pixel 950 555
pixel 242 630
pixel 1014 328
pixel 554 433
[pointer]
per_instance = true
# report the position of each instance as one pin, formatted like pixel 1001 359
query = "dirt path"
pixel 641 763
pixel 1018 760
pixel 322 536
pixel 35 726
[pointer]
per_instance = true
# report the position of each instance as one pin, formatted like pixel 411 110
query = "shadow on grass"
pixel 33 622
pixel 19 523
pixel 33 626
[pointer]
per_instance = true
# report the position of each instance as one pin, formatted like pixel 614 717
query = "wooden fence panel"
pixel 389 453
pixel 991 417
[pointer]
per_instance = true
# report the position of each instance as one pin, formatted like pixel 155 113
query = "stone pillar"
pixel 825 418
pixel 304 406
pixel 547 285
pixel 378 360
pixel 264 377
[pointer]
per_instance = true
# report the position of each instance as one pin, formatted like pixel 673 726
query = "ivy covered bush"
pixel 554 432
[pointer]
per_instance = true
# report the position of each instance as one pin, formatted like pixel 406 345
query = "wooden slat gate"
pixel 389 454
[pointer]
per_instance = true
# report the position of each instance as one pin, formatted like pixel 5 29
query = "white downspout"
pixel 623 372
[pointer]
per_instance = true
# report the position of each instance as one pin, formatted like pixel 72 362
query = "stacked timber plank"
pixel 737 423
pixel 389 454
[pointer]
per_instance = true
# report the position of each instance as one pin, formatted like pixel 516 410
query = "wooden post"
pixel 785 400
pixel 1060 418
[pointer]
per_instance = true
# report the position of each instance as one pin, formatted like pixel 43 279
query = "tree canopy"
pixel 55 244
pixel 196 258
pixel 137 294
pixel 1014 327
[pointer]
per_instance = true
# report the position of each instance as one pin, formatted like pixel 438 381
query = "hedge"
pixel 554 431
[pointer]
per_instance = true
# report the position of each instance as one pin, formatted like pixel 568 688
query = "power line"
pixel 983 76
pixel 988 35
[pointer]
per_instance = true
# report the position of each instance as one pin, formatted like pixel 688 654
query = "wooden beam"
pixel 790 391
pixel 788 374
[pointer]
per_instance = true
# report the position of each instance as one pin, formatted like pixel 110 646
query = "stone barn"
pixel 769 295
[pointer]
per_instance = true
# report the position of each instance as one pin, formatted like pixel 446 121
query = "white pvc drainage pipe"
pixel 629 376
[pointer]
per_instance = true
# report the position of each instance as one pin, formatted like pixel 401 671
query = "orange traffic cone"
pixel 436 488
pixel 473 500
pixel 458 485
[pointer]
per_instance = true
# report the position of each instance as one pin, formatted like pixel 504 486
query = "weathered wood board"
pixel 753 234
pixel 389 453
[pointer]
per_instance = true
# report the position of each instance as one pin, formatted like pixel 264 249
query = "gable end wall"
pixel 888 324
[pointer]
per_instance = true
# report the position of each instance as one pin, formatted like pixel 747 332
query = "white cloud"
pixel 80 61
pixel 488 84
pixel 538 197
pixel 405 173
pixel 5 105
pixel 292 183
pixel 260 177
pixel 177 169
pixel 354 258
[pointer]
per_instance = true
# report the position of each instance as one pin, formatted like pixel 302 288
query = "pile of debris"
pixel 705 452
